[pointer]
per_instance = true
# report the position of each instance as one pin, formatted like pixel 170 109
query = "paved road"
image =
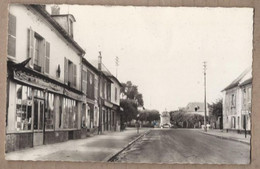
pixel 185 146
pixel 96 148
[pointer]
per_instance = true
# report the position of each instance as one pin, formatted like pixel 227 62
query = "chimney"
pixel 55 10
pixel 100 61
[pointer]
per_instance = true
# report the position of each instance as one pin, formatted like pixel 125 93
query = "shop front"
pixel 39 111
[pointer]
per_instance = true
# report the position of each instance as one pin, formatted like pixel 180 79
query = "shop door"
pixel 38 122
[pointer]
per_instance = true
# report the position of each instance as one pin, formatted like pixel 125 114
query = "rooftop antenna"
pixel 117 64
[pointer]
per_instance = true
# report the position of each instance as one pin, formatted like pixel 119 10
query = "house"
pixel 237 103
pixel 90 106
pixel 44 97
pixel 197 108
pixel 165 118
pixel 109 98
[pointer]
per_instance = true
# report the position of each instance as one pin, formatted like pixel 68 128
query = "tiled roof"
pixel 58 27
pixel 246 75
pixel 192 105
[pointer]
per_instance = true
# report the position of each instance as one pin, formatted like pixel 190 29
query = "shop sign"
pixel 35 81
pixel 73 95
pixel 106 103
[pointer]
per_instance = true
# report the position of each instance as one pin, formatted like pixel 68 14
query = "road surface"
pixel 185 146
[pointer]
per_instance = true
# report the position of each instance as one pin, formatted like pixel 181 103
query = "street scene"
pixel 129 84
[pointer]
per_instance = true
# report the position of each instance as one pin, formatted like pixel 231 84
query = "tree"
pixel 130 91
pixel 130 109
pixel 216 113
pixel 149 116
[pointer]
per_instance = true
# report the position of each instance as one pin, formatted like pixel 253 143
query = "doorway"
pixel 38 122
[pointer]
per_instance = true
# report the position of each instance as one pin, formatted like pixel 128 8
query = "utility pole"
pixel 205 100
pixel 117 64
pixel 99 97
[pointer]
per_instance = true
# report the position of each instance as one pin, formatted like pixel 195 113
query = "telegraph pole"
pixel 117 63
pixel 205 100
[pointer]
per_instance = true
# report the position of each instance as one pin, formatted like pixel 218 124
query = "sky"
pixel 162 49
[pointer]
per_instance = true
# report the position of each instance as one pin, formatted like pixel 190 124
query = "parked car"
pixel 166 125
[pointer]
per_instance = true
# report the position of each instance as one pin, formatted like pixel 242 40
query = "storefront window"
pixel 50 111
pixel 83 116
pixel 23 107
pixel 70 116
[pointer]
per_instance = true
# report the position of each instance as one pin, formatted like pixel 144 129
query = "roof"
pixel 245 82
pixel 66 15
pixel 87 63
pixel 58 27
pixel 192 105
pixel 244 76
pixel 105 71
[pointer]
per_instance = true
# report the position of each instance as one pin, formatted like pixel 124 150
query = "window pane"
pixel 23 108
pixel 50 111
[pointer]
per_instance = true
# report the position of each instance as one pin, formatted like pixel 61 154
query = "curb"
pixel 112 157
pixel 227 138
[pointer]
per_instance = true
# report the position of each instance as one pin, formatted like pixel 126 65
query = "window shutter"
pixel 47 58
pixel 11 35
pixel 66 68
pixel 30 46
pixel 75 75
pixel 84 81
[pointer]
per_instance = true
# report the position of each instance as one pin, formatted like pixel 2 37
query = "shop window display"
pixel 49 115
pixel 23 107
pixel 70 116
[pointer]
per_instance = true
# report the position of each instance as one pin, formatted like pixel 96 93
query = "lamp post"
pixel 205 99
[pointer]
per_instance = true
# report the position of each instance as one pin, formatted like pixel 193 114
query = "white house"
pixel 237 103
pixel 44 93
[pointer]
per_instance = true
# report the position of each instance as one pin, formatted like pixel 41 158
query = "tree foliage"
pixel 130 91
pixel 130 109
pixel 149 115
pixel 216 110
pixel 182 119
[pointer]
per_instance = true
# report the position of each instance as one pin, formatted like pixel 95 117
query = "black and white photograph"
pixel 129 84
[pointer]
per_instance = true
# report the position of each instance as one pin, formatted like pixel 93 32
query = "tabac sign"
pixel 36 81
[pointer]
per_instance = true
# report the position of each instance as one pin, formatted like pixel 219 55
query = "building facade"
pixel 197 108
pixel 237 103
pixel 43 81
pixel 53 93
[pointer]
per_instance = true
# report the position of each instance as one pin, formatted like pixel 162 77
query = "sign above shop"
pixel 73 95
pixel 36 81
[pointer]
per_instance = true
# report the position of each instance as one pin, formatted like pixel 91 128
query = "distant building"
pixel 165 118
pixel 197 108
pixel 237 103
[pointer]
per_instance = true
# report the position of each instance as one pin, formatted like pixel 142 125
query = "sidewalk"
pixel 230 135
pixel 96 148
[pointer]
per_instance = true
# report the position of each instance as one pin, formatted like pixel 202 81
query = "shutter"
pixel 30 46
pixel 11 35
pixel 74 75
pixel 11 46
pixel 12 25
pixel 47 58
pixel 84 81
pixel 66 68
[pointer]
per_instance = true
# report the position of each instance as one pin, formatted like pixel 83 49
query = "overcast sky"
pixel 162 49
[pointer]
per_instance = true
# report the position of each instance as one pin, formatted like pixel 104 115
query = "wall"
pixel 113 86
pixel 59 48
